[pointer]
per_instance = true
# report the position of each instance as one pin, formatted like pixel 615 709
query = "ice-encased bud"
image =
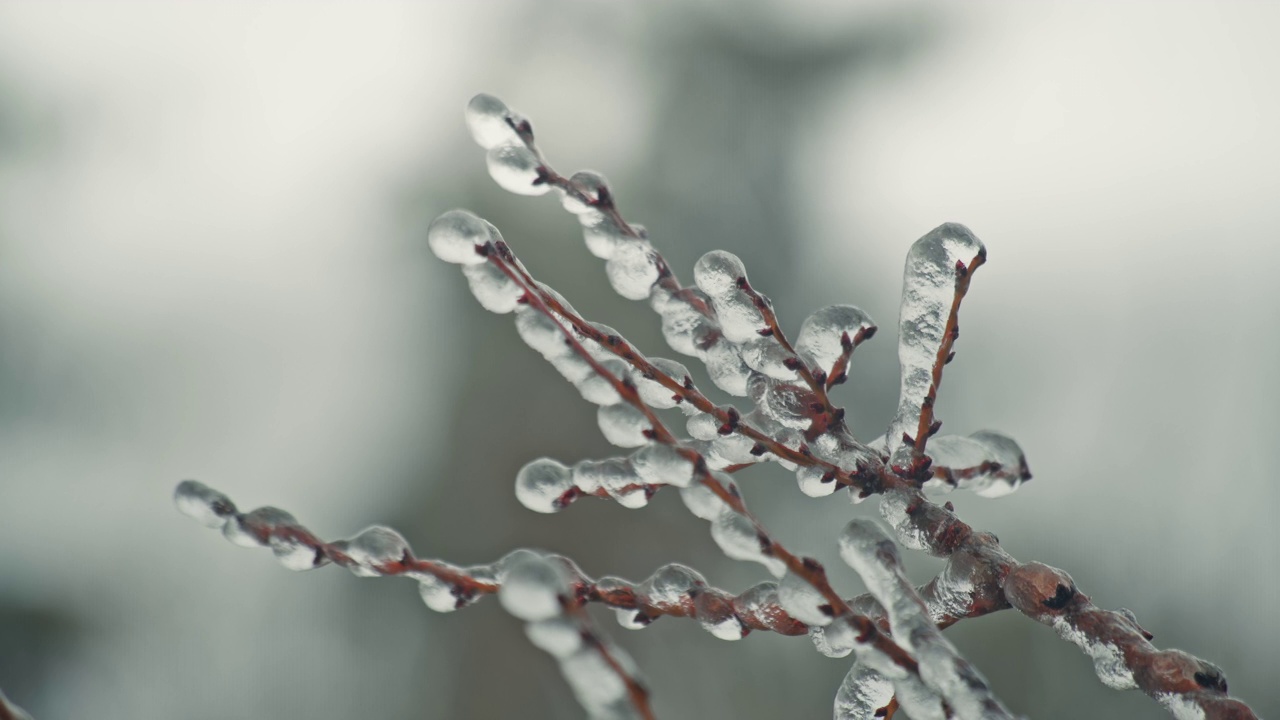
pixel 294 554
pixel 863 692
pixel 726 368
pixel 864 547
pixel 739 539
pixel 803 601
pixel 374 548
pixel 893 508
pixel 685 328
pixel 590 183
pixel 532 588
pixel 542 484
pixel 740 320
pixel 602 235
pixel 540 332
pixel 632 270
pixel 488 120
pixel 815 481
pixel 729 628
pixel 559 637
pixel 717 273
pixel 655 394
pixel 836 640
pixel 263 520
pixel 702 426
pixel 495 292
pixel 598 389
pixel 516 169
pixel 623 425
pixel 1006 452
pixel 455 235
pixel 659 464
pixel 765 355
pixel 436 593
pixel 821 338
pixel 702 501
pixel 671 584
pixel 201 502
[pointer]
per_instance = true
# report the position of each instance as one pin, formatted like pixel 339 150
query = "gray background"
pixel 212 265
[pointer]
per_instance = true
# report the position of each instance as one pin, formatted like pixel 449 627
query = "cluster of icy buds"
pixel 902 659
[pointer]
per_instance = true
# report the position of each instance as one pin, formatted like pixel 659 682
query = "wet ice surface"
pixel 863 692
pixel 928 293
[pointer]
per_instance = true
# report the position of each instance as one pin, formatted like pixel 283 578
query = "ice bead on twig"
pixel 456 235
pixel 825 334
pixel 987 463
pixel 932 285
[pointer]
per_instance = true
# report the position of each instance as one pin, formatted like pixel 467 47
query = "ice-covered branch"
pixel 936 277
pixel 627 420
pixel 1122 654
pixel 875 556
pixel 672 591
pixel 980 577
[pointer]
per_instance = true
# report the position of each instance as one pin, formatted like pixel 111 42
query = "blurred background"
pixel 212 265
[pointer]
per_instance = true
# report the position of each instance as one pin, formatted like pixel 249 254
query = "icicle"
pixel 928 294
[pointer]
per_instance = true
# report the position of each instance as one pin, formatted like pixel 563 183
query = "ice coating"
pixel 374 548
pixel 815 480
pixel 455 235
pixel 836 640
pixel 717 272
pixel 623 425
pixel 632 269
pixel 598 389
pixel 704 503
pixel 862 694
pixel 928 294
pixel 590 183
pixel 824 333
pixel 207 506
pixel 765 355
pixel 491 287
pixel 869 551
pixel 671 583
pixel 987 463
pixel 559 637
pixel 702 426
pixel 490 122
pixel 657 464
pixel 740 319
pixel 655 394
pixel 685 328
pixel 726 368
pixel 600 691
pixel 541 485
pixel 532 588
pixel 541 333
pixel 253 529
pixel 803 601
pixel 1108 659
pixel 739 539
pixel 893 508
pixel 516 169
pixel 601 235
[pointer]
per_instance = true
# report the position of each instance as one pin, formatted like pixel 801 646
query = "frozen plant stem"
pixel 902 660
